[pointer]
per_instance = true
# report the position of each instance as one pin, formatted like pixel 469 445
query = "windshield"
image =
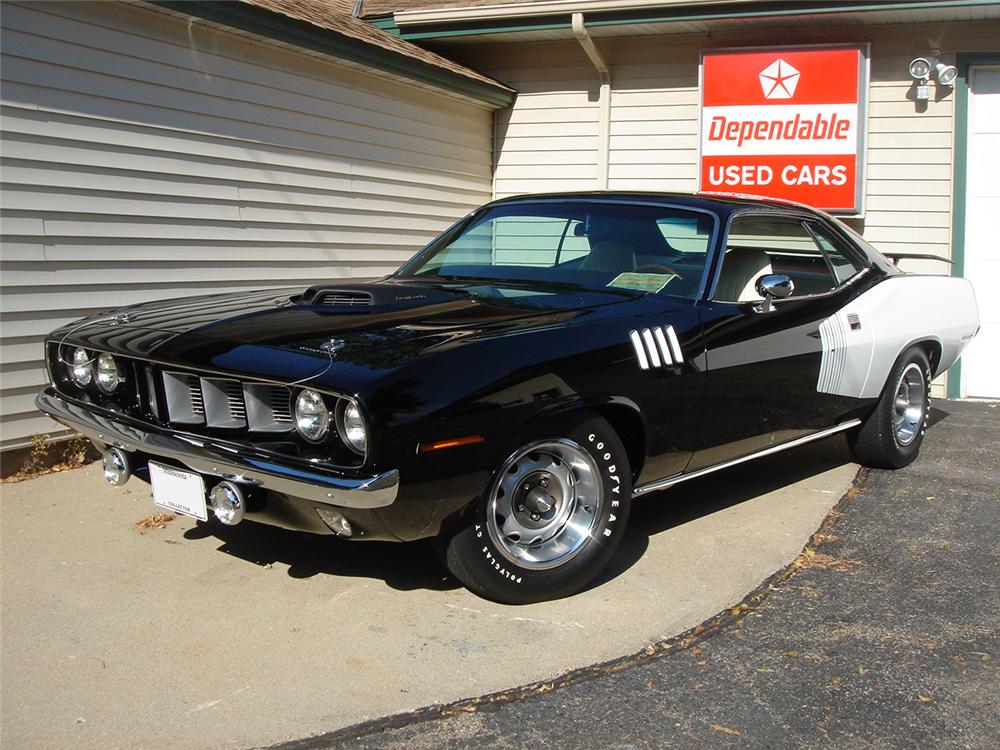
pixel 644 248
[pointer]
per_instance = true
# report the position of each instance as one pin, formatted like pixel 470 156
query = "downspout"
pixel 603 102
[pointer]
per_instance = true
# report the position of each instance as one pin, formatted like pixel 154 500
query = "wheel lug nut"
pixel 526 487
pixel 520 508
pixel 544 482
pixel 586 509
pixel 535 516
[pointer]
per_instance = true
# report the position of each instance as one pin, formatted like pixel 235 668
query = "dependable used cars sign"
pixel 785 122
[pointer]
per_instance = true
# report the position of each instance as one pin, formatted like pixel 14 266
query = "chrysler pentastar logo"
pixel 778 80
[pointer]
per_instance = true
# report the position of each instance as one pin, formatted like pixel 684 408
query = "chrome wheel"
pixel 544 504
pixel 909 404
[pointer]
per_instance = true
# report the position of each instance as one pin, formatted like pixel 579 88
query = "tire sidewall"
pixel 908 451
pixel 475 559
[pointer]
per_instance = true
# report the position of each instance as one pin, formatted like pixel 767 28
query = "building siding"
pixel 144 157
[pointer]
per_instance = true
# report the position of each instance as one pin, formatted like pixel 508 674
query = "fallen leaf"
pixel 697 651
pixel 156 521
pixel 791 654
pixel 924 698
pixel 764 669
pixel 725 730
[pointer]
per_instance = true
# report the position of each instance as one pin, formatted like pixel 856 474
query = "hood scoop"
pixel 364 297
pixel 341 298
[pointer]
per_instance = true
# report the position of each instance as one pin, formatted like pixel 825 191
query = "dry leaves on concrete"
pixel 156 521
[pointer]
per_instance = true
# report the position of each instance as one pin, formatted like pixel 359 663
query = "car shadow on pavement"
pixel 415 566
pixel 405 567
pixel 687 501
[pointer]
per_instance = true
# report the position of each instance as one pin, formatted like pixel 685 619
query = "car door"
pixel 764 365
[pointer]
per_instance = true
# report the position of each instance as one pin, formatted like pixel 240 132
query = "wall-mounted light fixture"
pixel 921 70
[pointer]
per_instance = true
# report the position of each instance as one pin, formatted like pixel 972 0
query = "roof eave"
pixel 546 16
pixel 328 42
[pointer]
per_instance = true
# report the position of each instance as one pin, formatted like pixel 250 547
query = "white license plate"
pixel 180 491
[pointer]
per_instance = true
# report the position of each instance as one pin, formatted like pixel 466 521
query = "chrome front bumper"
pixel 234 461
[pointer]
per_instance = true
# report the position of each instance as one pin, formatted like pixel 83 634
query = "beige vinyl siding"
pixel 146 158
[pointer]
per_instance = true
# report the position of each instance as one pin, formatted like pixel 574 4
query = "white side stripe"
pixel 640 352
pixel 661 340
pixel 675 345
pixel 654 355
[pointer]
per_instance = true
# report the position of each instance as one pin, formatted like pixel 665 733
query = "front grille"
pixel 227 403
pixel 343 299
pixel 185 403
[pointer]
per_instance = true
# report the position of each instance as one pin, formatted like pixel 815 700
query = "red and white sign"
pixel 785 123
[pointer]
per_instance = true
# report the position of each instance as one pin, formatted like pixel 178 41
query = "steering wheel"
pixel 657 267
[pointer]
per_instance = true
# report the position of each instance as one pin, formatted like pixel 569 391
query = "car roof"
pixel 717 202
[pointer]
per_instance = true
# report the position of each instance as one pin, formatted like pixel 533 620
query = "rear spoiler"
pixel 896 257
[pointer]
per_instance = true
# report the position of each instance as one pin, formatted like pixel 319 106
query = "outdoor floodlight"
pixel 945 74
pixel 920 69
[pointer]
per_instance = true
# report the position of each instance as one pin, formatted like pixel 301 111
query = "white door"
pixel 981 361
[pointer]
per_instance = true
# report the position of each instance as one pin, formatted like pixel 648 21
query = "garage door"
pixel 981 362
pixel 145 157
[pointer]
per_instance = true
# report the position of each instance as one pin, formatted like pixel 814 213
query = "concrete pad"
pixel 205 636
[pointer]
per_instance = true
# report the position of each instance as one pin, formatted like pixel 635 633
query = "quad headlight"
pixel 81 368
pixel 312 418
pixel 108 376
pixel 351 426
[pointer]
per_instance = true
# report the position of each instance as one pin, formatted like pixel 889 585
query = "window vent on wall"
pixel 656 347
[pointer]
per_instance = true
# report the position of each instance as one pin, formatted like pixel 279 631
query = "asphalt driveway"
pixel 884 634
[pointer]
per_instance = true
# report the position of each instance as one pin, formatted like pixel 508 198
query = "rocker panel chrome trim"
pixel 662 484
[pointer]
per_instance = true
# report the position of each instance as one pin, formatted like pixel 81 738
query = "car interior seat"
pixel 741 267
pixel 610 256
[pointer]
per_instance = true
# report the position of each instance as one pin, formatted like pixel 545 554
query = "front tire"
pixel 552 516
pixel 891 436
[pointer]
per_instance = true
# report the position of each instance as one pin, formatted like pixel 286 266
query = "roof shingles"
pixel 336 16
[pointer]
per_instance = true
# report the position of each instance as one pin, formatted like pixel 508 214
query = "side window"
pixel 761 245
pixel 843 265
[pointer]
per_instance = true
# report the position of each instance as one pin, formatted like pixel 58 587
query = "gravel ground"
pixel 882 634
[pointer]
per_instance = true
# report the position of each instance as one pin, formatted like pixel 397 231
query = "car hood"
pixel 374 325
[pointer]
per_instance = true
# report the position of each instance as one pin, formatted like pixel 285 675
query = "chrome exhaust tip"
pixel 229 505
pixel 117 469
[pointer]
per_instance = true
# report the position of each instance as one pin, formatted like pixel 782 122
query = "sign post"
pixel 785 122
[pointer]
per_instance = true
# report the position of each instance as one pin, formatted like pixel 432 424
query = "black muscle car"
pixel 519 382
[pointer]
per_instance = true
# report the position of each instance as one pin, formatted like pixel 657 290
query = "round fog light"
pixel 228 503
pixel 116 467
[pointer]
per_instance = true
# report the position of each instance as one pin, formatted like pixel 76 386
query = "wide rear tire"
pixel 891 436
pixel 552 516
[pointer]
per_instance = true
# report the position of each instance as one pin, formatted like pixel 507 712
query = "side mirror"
pixel 773 286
